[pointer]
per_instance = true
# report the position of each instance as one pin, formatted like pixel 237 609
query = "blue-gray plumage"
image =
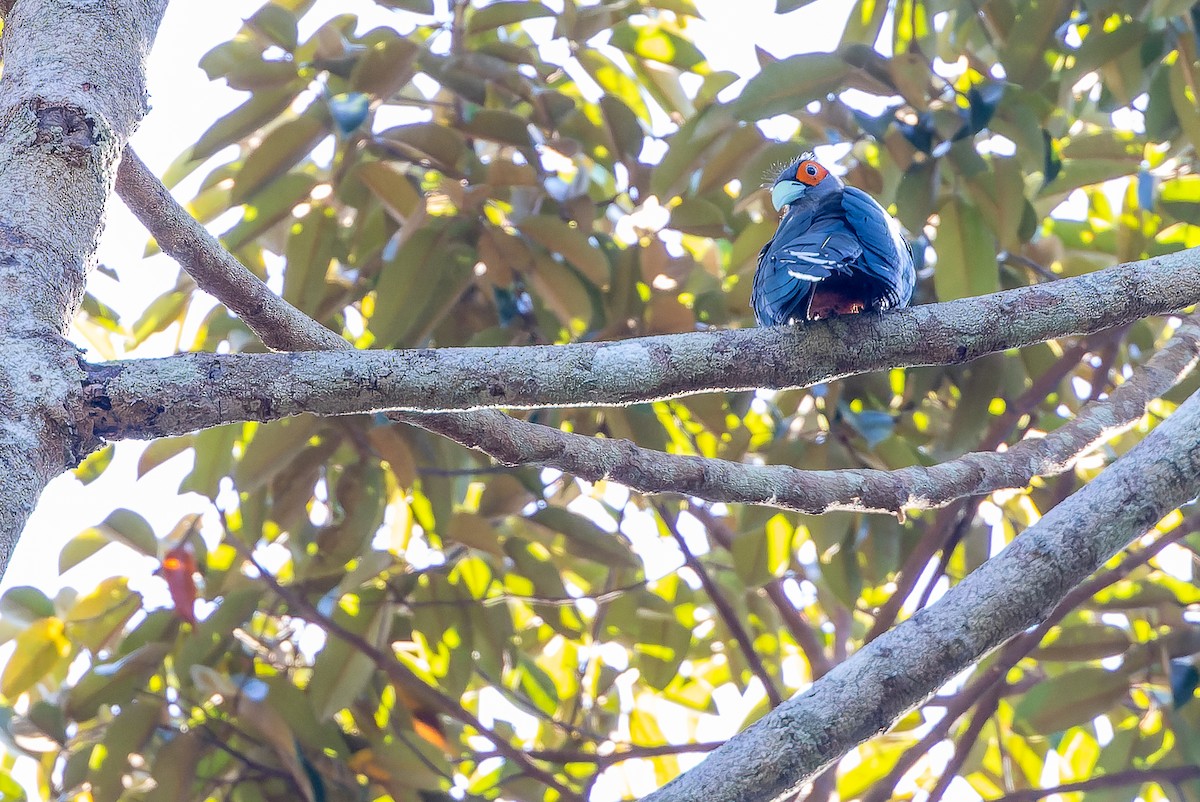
pixel 836 251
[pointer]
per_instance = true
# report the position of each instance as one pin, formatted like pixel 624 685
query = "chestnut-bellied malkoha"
pixel 836 251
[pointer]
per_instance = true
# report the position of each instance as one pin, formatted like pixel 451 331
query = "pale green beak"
pixel 785 193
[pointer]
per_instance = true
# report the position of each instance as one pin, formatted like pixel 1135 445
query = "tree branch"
pixel 647 471
pixel 210 389
pixel 1101 299
pixel 1118 779
pixel 280 326
pixel 725 611
pixel 1010 592
pixel 1014 651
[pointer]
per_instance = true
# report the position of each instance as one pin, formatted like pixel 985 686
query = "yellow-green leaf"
pixel 966 264
pixel 39 649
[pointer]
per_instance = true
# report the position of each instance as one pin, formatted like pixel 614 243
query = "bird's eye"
pixel 811 170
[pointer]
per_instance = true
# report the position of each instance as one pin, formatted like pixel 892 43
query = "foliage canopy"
pixel 524 172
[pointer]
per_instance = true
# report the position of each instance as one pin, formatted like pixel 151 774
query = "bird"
pixel 836 251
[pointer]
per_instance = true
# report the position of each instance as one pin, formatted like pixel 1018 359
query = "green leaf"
pixel 310 248
pixel 615 81
pixel 760 556
pixel 392 187
pixel 442 147
pixel 115 682
pixel 623 126
pixel 966 263
pixel 535 576
pixel 499 126
pixel 416 6
pixel 1062 702
pixel 24 605
pixel 268 207
pixel 657 42
pixel 160 451
pixel 585 539
pixel 161 313
pixel 699 217
pixel 101 614
pixel 537 686
pixel 93 465
pixel 474 531
pixel 571 243
pixel 214 457
pixel 280 151
pixel 1180 198
pixel 386 67
pixel 126 526
pixel 275 23
pixel 41 647
pixel 101 314
pixel 1084 641
pixel 787 6
pixel 272 448
pixel 341 671
pixel 497 15
pixel 174 767
pixel 79 548
pixel 263 106
pixel 788 85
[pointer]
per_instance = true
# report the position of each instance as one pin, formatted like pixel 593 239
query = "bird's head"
pixel 804 174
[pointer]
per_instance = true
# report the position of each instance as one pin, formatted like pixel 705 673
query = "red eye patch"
pixel 810 173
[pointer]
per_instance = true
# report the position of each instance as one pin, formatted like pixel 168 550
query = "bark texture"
pixel 903 667
pixel 66 109
pixel 207 389
pixel 203 390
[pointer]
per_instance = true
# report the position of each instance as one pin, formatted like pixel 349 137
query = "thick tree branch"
pixel 648 471
pixel 1012 591
pixel 215 389
pixel 277 323
pixel 66 109
pixel 1014 651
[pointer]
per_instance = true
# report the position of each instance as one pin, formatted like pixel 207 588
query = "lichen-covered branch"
pixel 66 109
pixel 202 390
pixel 277 323
pixel 903 667
pixel 649 471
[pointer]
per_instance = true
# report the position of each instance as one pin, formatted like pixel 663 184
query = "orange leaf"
pixel 178 568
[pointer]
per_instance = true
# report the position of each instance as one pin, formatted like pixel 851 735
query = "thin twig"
pixel 1117 779
pixel 797 623
pixel 724 609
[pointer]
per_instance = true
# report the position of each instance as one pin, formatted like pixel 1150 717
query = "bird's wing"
pixel 804 251
pixel 811 249
pixel 885 253
pixel 775 296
